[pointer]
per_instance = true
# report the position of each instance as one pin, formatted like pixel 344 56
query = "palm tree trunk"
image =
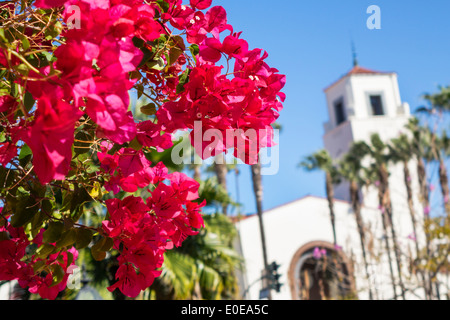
pixel 258 190
pixel 197 173
pixel 425 195
pixel 356 205
pixel 221 172
pixel 409 195
pixel 387 204
pixel 386 240
pixel 330 198
pixel 443 180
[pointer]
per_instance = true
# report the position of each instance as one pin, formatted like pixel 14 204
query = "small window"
pixel 376 105
pixel 339 112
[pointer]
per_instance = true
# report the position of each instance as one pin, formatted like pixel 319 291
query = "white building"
pixel 360 103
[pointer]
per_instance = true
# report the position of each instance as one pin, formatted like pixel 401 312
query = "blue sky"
pixel 310 42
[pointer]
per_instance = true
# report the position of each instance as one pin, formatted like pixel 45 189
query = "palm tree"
pixel 422 150
pixel 321 160
pixel 351 169
pixel 258 191
pixel 204 267
pixel 441 146
pixel 420 147
pixel 401 151
pixel 440 100
pixel 379 153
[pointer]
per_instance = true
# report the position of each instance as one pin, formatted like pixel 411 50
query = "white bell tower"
pixel 360 103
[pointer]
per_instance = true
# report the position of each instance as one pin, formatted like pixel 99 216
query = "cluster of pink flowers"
pixel 17 264
pixel 250 100
pixel 144 231
pixel 95 67
pixel 319 253
pixel 128 170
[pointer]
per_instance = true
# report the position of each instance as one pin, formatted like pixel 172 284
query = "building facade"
pixel 299 234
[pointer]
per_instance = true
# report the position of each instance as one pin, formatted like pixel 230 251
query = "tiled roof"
pixel 357 70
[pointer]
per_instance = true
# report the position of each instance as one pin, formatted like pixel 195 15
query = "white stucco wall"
pixel 289 227
pixel 295 224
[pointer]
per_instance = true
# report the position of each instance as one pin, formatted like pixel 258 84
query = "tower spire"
pixel 355 58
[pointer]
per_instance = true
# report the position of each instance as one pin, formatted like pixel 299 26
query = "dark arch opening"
pixel 320 272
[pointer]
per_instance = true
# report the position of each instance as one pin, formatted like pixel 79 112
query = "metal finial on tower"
pixel 355 58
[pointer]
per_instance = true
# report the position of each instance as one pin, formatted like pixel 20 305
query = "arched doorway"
pixel 320 272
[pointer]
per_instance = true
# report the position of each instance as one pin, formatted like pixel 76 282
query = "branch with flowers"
pixel 70 69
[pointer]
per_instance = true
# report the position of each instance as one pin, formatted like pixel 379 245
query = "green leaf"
pixel 174 54
pixel 25 210
pixel 163 5
pixel 98 255
pixel 44 250
pixel 37 222
pixel 99 249
pixel 83 238
pixel 79 197
pixel 195 50
pixel 25 43
pixel 149 109
pixel 57 273
pixel 53 232
pixel 7 177
pixel 67 197
pixel 184 78
pixel 134 144
pixel 28 101
pixel 39 265
pixel 138 42
pixel 67 238
pixel 23 69
pixel 157 64
pixel 25 151
pixel 147 54
pixel 179 42
pixel 69 258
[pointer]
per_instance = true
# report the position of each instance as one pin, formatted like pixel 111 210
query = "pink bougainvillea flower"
pixel 51 138
pixel 46 4
pixel 128 281
pixel 8 151
pixel 7 103
pixel 185 188
pixel 319 253
pixel 200 4
pixel 149 135
pixel 412 236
